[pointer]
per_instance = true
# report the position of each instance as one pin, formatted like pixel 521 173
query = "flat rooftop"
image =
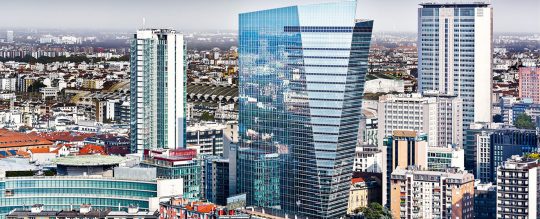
pixel 90 160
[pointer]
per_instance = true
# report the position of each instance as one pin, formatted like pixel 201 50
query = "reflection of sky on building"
pixel 301 81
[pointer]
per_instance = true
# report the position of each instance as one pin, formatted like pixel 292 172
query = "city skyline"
pixel 104 15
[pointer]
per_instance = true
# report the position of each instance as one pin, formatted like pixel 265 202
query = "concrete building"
pixel 217 180
pixel 517 188
pixel 158 90
pixel 403 149
pixel 463 65
pixel 206 138
pixel 529 82
pixel 408 112
pixel 450 119
pixel 431 194
pixel 368 159
pixel 442 158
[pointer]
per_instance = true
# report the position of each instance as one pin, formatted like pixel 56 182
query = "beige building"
pixel 431 194
pixel 362 193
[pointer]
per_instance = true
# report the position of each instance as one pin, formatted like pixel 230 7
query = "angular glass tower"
pixel 158 90
pixel 302 72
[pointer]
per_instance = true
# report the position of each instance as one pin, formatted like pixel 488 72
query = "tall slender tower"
pixel 302 72
pixel 158 90
pixel 455 54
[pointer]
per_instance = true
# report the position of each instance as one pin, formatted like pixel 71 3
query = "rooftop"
pixel 90 160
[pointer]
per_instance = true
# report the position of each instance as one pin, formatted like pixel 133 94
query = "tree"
pixel 374 211
pixel 206 116
pixel 524 121
pixel 535 156
pixel 34 87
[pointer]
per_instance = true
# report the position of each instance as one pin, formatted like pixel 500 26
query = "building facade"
pixel 158 90
pixel 403 149
pixel 455 54
pixel 517 188
pixel 431 194
pixel 59 193
pixel 529 82
pixel 301 71
pixel 408 112
pixel 207 139
pixel 485 201
pixel 507 142
pixel 442 158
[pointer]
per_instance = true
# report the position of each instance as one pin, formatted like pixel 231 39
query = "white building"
pixel 158 90
pixel 463 66
pixel 207 138
pixel 408 112
pixel 518 184
pixel 442 158
pixel 368 159
pixel 381 85
pixel 450 119
pixel 9 36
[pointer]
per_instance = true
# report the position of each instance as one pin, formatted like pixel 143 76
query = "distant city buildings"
pixel 158 90
pixel 9 36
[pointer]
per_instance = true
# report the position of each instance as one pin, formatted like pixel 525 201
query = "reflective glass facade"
pixel 57 193
pixel 302 74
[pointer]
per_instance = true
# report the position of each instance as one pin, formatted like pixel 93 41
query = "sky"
pixel 193 15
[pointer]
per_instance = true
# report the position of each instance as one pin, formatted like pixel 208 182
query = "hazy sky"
pixel 389 15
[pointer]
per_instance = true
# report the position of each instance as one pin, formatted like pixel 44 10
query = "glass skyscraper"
pixel 455 54
pixel 158 90
pixel 302 72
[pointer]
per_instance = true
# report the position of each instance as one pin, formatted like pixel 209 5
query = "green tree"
pixel 374 211
pixel 206 116
pixel 524 121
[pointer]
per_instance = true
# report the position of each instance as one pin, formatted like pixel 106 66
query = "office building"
pixel 442 158
pixel 455 54
pixel 158 90
pixel 62 192
pixel 301 73
pixel 9 36
pixel 507 142
pixel 477 149
pixel 403 149
pixel 368 158
pixel 217 180
pixel 177 164
pixel 207 138
pixel 529 82
pixel 450 120
pixel 431 194
pixel 517 188
pixel 408 112
pixel 485 200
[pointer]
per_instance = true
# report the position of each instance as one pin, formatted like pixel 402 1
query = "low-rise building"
pixel 363 192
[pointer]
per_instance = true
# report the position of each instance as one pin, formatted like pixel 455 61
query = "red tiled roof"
pixel 92 149
pixel 40 150
pixel 357 180
pixel 18 139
